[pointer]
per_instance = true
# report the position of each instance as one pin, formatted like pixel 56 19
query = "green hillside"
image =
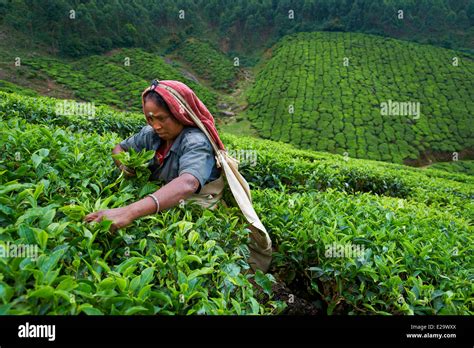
pixel 466 167
pixel 9 87
pixel 116 79
pixel 324 91
pixel 209 62
pixel 412 229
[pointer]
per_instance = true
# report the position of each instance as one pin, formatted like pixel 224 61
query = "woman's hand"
pixel 120 217
pixel 127 171
pixel 168 196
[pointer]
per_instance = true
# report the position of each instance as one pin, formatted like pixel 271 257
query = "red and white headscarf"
pixel 181 115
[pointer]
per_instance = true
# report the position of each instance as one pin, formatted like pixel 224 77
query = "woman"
pixel 182 133
pixel 184 159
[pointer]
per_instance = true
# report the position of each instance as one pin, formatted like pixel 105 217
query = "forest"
pixel 76 28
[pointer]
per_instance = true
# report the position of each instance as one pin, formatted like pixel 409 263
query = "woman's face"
pixel 162 121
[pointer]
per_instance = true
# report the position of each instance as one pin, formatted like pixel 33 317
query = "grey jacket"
pixel 191 153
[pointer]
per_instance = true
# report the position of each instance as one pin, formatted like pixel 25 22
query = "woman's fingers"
pixel 98 218
pixel 116 215
pixel 88 218
pixel 95 216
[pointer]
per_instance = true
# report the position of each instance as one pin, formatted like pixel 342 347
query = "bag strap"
pixel 184 104
pixel 237 183
pixel 222 157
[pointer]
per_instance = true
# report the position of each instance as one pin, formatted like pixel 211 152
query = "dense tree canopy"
pixel 75 27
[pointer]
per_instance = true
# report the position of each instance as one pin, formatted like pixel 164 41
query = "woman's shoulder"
pixel 149 135
pixel 147 130
pixel 193 135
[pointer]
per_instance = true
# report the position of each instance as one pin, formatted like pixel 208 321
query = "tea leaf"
pixel 200 272
pixel 264 281
pixel 43 292
pixel 41 237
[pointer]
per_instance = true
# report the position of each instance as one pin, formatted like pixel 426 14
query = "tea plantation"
pixel 466 167
pixel 109 80
pixel 326 91
pixel 211 63
pixel 412 229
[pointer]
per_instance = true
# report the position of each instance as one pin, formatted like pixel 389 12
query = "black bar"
pixel 226 330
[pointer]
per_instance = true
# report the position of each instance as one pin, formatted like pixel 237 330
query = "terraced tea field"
pixel 365 96
pixel 210 62
pixel 117 79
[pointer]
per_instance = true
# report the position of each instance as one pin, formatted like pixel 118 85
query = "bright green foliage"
pixel 117 79
pixel 407 258
pixel 44 110
pixel 280 165
pixel 414 225
pixel 466 167
pixel 133 159
pixel 182 261
pixel 324 91
pixel 9 87
pixel 209 63
pixel 138 162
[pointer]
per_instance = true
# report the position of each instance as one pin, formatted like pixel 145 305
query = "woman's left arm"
pixel 168 196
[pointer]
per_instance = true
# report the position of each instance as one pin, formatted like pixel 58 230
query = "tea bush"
pixel 415 227
pixel 407 258
pixel 279 165
pixel 182 261
pixel 42 110
pixel 9 87
pixel 466 167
